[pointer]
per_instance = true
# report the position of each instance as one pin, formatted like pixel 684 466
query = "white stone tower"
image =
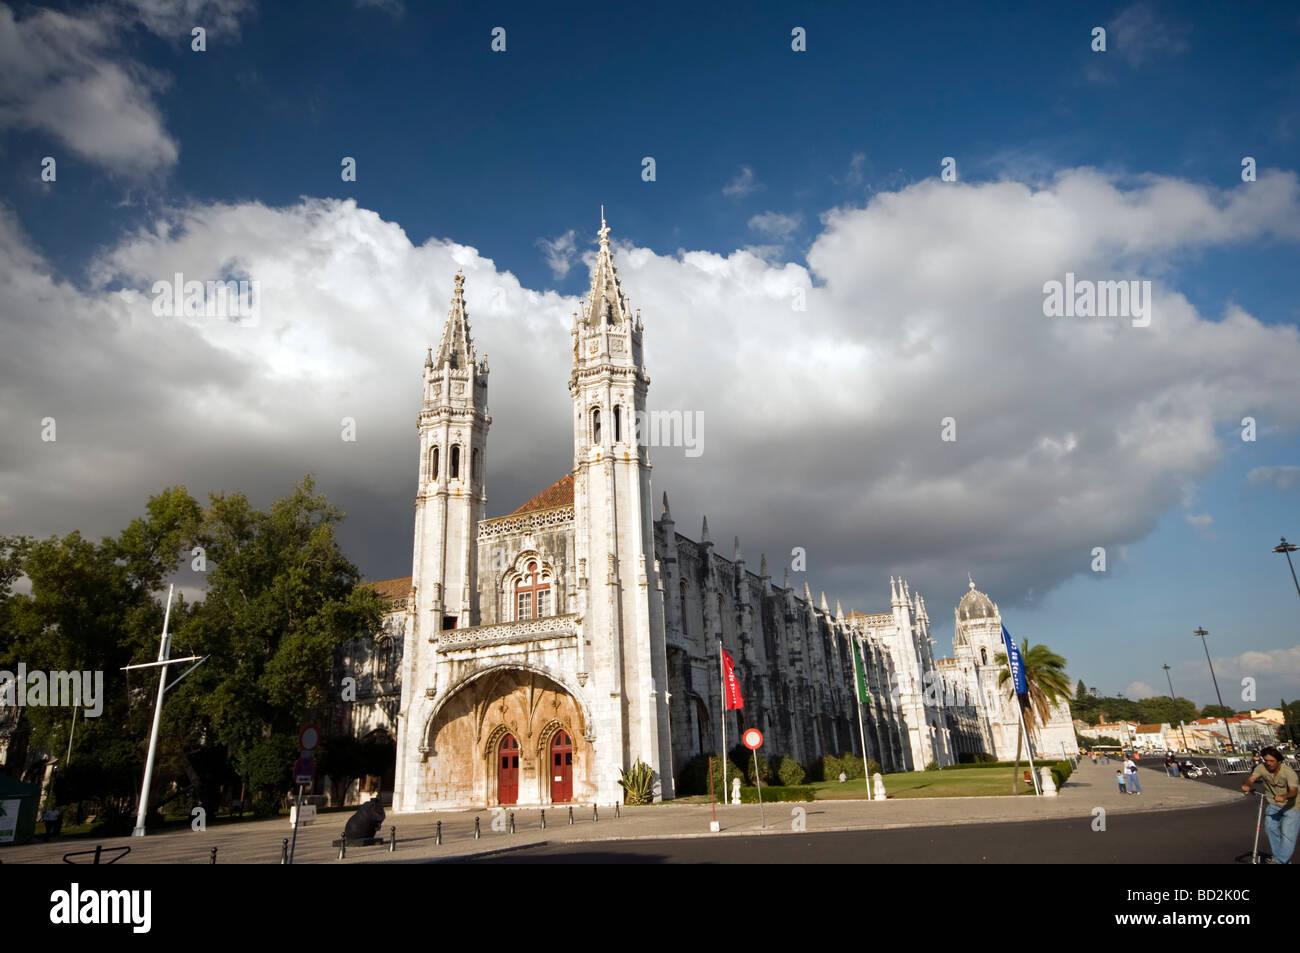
pixel 623 650
pixel 453 428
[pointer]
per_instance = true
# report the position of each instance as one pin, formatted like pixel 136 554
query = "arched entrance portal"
pixel 508 770
pixel 561 768
pixel 495 740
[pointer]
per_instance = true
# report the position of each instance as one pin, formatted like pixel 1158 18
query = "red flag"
pixel 730 686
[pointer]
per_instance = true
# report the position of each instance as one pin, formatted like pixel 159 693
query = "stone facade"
pixel 544 652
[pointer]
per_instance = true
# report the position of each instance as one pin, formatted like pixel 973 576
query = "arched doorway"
pixel 561 768
pixel 508 770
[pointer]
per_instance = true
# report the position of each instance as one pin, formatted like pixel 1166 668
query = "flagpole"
pixel 1029 744
pixel 859 678
pixel 722 683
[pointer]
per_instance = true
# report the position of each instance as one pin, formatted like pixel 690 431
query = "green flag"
pixel 859 677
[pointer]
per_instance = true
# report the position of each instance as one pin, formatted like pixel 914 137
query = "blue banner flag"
pixel 1015 662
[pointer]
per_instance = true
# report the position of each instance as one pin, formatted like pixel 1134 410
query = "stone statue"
pixel 735 790
pixel 365 822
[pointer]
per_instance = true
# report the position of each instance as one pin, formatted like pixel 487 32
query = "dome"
pixel 975 605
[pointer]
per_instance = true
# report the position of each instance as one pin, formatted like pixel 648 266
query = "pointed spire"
pixel 825 607
pixel 893 593
pixel 668 516
pixel 762 565
pixel 972 581
pixel 839 610
pixel 785 578
pixel 807 593
pixel 704 531
pixel 457 347
pixel 606 304
pixel 736 556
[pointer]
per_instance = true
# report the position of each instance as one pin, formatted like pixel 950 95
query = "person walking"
pixel 1131 776
pixel 1282 819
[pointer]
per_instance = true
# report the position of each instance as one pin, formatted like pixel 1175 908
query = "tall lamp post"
pixel 1201 634
pixel 1287 549
pixel 1171 698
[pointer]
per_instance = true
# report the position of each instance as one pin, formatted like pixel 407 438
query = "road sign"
pixel 304 771
pixel 309 737
pixel 753 739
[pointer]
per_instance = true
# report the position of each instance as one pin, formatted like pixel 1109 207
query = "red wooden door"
pixel 561 768
pixel 508 770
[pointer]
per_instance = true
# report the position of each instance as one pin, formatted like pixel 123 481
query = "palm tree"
pixel 1047 683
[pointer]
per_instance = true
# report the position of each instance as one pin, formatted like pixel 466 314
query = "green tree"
pixel 1217 711
pixel 281 598
pixel 1165 709
pixel 1047 685
pixel 1080 691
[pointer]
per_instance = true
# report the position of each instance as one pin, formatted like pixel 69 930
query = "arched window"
pixel 533 593
pixel 595 425
pixel 683 590
pixel 721 612
pixel 454 472
pixel 433 464
pixel 618 424
pixel 473 464
pixel 984 656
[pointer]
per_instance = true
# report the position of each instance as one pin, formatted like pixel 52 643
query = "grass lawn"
pixel 950 782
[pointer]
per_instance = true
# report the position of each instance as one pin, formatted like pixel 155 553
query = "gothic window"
pixel 618 424
pixel 683 591
pixel 533 593
pixel 385 658
pixel 433 464
pixel 984 656
pixel 720 612
pixel 595 425
pixel 455 462
pixel 473 464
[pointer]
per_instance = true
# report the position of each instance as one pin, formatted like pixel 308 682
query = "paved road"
pixel 1214 835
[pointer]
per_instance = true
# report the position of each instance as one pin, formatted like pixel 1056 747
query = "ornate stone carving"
pixel 536 521
pixel 505 633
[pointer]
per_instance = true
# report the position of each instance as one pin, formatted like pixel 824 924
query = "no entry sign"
pixel 753 739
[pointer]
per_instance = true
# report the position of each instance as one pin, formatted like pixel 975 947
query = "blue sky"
pixel 771 165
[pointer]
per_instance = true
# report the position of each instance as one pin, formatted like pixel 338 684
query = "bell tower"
pixel 619 591
pixel 453 428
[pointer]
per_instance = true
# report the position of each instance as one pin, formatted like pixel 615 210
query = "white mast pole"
pixel 164 650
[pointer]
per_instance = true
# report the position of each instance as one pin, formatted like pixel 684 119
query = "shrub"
pixel 771 794
pixel 764 768
pixel 637 783
pixel 933 765
pixel 790 772
pixel 831 766
pixel 1061 772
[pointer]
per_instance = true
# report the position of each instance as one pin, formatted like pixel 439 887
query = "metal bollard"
pixel 213 859
pixel 543 820
pixel 617 812
pixel 98 850
pixel 512 822
pixel 595 813
pixel 570 814
pixel 438 837
pixel 343 844
pixel 392 839
pixel 284 851
pixel 477 834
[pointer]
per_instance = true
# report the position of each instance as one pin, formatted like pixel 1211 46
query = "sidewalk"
pixel 259 842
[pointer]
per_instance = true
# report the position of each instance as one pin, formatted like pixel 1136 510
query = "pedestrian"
pixel 1282 819
pixel 1131 775
pixel 1094 757
pixel 1119 779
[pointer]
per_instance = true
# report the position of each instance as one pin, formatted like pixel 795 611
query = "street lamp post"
pixel 1201 634
pixel 1171 698
pixel 1287 549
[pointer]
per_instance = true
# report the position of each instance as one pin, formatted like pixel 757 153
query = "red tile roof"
pixel 559 493
pixel 394 590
